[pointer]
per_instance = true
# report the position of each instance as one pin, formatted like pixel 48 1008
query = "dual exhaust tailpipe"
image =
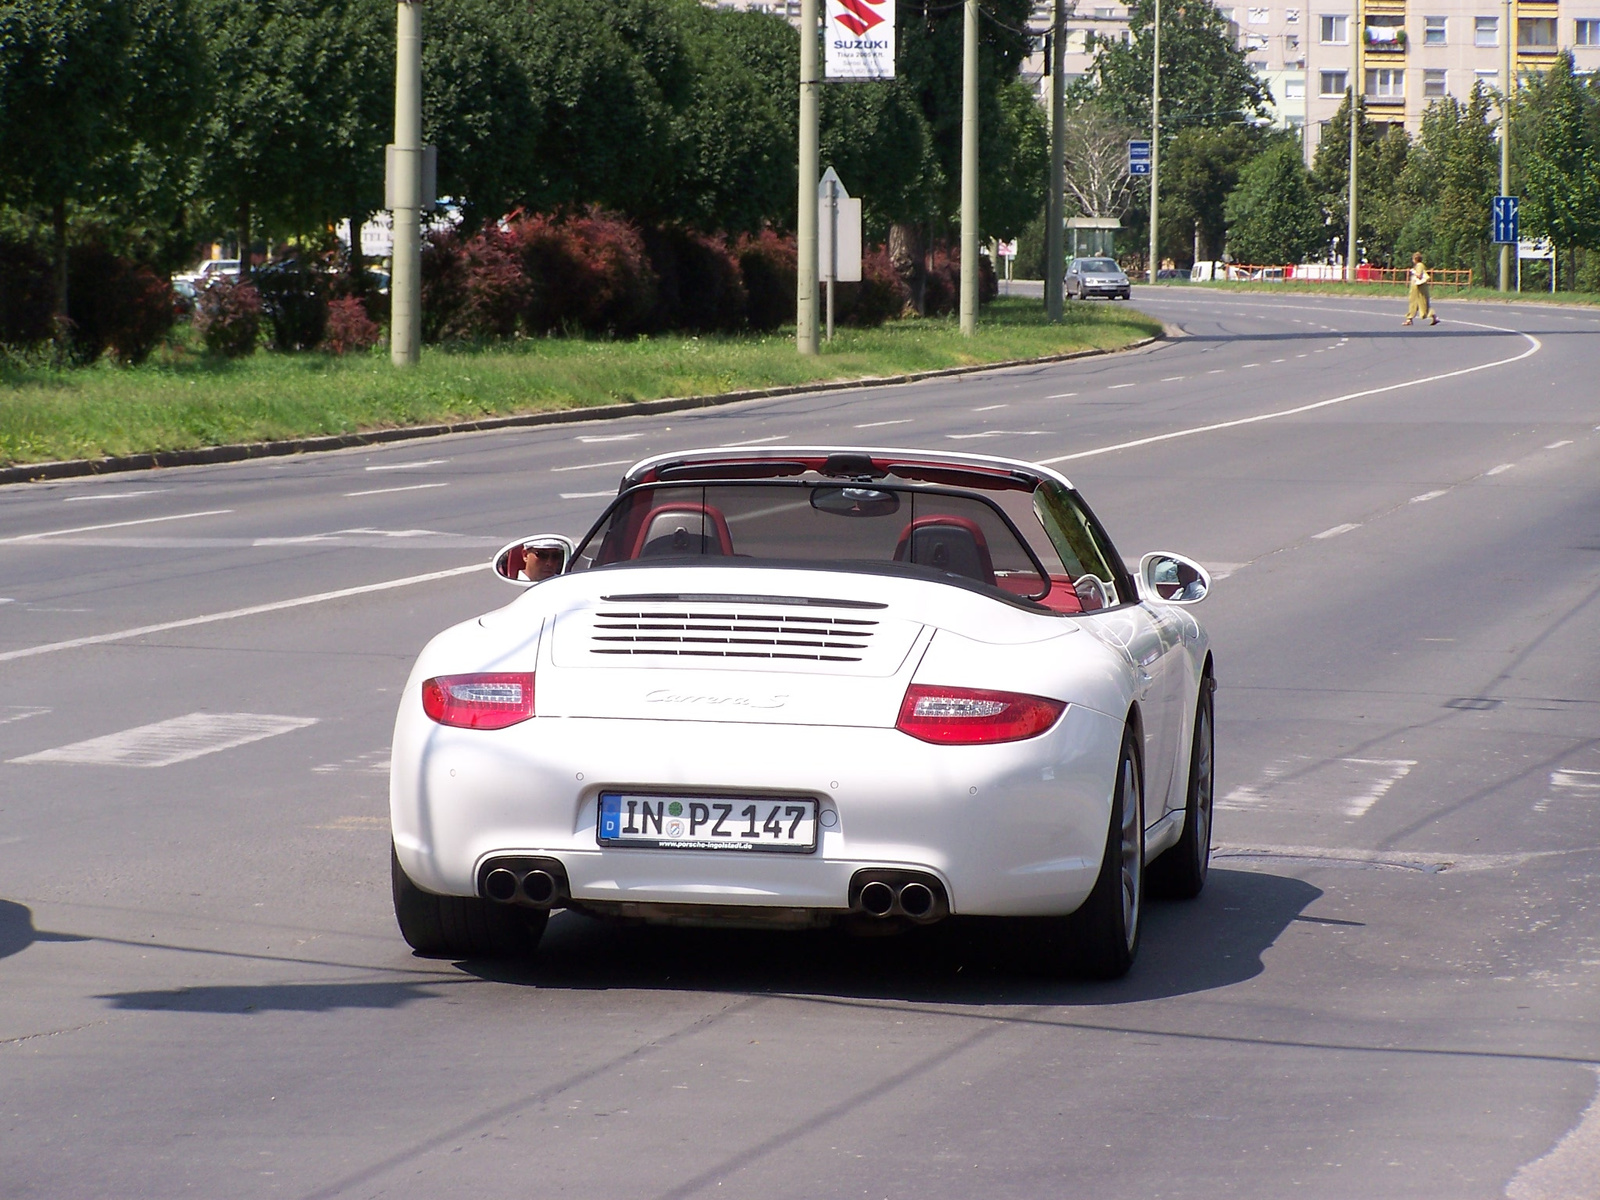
pixel 530 882
pixel 911 895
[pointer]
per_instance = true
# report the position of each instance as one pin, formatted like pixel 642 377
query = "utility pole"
pixel 1054 251
pixel 1155 149
pixel 1356 35
pixel 405 189
pixel 805 318
pixel 1505 137
pixel 969 170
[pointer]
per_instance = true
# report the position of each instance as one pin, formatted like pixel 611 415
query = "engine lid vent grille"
pixel 727 633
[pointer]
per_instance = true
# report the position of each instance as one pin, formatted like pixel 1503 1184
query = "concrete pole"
pixel 805 318
pixel 1155 149
pixel 1356 35
pixel 1054 235
pixel 405 284
pixel 1505 135
pixel 969 171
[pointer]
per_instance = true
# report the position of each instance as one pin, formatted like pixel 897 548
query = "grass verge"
pixel 181 400
pixel 1393 291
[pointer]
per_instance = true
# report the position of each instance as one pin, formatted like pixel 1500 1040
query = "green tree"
pixel 1448 182
pixel 1273 217
pixel 1204 79
pixel 1560 167
pixel 1199 169
pixel 1381 153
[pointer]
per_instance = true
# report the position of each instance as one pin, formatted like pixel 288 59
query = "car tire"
pixel 1180 872
pixel 461 926
pixel 1100 940
pixel 1104 932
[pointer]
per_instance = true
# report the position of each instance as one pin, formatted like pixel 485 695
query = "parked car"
pixel 1088 277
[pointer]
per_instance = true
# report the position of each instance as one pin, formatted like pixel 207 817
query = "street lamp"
pixel 1505 138
pixel 1356 34
pixel 1155 147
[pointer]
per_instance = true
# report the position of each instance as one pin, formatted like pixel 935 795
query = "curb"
pixel 243 451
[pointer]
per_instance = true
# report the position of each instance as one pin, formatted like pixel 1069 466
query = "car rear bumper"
pixel 1017 828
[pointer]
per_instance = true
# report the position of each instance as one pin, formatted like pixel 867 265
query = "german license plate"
pixel 707 823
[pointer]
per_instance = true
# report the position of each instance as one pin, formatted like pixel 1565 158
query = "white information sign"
pixel 837 210
pixel 858 39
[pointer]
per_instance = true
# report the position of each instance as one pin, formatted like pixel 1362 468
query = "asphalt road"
pixel 1389 988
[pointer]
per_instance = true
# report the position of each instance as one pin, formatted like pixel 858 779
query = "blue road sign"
pixel 1503 223
pixel 1138 158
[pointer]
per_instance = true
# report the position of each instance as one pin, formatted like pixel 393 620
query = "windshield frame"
pixel 601 526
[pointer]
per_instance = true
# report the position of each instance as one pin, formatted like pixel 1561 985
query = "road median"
pixel 184 410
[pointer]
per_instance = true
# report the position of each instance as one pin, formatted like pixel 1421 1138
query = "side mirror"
pixel 1173 578
pixel 530 560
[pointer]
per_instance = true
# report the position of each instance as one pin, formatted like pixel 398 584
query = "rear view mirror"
pixel 530 560
pixel 855 501
pixel 1173 578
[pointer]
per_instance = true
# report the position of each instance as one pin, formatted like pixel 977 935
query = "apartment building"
pixel 1405 54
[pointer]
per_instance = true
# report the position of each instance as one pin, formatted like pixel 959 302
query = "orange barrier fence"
pixel 1325 273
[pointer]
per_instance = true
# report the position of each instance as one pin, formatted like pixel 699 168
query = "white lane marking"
pixel 1247 366
pixel 357 824
pixel 615 462
pixel 1057 396
pixel 33 537
pixel 373 762
pixel 1299 355
pixel 777 437
pixel 409 466
pixel 607 437
pixel 1174 378
pixel 1118 386
pixel 1335 531
pixel 1571 1167
pixel 1558 445
pixel 122 635
pixel 8 599
pixel 1221 570
pixel 1350 786
pixel 1215 371
pixel 992 407
pixel 587 495
pixel 1426 496
pixel 1533 349
pixel 1277 360
pixel 1500 470
pixel 989 433
pixel 115 495
pixel 20 712
pixel 1392 771
pixel 410 487
pixel 880 424
pixel 172 741
pixel 1571 777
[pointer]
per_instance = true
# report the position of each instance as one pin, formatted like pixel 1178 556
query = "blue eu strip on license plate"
pixel 655 822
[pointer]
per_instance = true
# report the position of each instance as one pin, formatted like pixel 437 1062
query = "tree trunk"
pixel 244 240
pixel 58 214
pixel 358 281
pixel 905 252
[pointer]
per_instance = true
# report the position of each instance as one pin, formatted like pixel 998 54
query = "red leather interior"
pixel 965 529
pixel 715 525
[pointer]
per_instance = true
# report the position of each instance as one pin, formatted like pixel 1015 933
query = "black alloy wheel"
pixel 1180 872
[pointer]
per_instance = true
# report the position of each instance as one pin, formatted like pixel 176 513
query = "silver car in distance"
pixel 799 686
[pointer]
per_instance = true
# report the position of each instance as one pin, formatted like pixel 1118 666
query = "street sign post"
pixel 838 237
pixel 1138 158
pixel 1503 222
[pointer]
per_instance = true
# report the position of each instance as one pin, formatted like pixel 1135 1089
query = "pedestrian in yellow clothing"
pixel 1421 304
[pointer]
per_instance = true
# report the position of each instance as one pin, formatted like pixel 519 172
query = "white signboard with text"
pixel 858 39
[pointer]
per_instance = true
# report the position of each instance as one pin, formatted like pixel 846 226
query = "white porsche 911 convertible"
pixel 794 687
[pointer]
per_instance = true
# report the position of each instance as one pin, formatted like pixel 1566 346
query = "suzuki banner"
pixel 858 39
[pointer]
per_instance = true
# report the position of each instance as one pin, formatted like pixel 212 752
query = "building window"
pixel 1291 43
pixel 1336 31
pixel 1386 83
pixel 1433 31
pixel 1294 89
pixel 1255 41
pixel 1536 33
pixel 1588 33
pixel 1258 16
pixel 1291 16
pixel 1433 82
pixel 1104 14
pixel 1488 76
pixel 1332 83
pixel 1485 31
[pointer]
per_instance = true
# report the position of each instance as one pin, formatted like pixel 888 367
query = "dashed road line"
pixel 881 424
pixel 587 495
pixel 50 533
pixel 615 462
pixel 408 466
pixel 1426 496
pixel 607 437
pixel 1500 470
pixel 992 407
pixel 1558 445
pixel 114 495
pixel 410 487
pixel 1336 530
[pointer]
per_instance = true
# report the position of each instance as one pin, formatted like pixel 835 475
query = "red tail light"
pixel 973 716
pixel 488 701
